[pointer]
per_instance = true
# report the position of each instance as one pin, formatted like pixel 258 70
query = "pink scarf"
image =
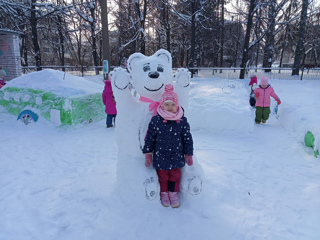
pixel 152 106
pixel 169 115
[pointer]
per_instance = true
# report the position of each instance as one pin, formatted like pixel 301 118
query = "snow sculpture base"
pixel 192 180
pixel 135 181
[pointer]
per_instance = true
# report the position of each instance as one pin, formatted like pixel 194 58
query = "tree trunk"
pixel 163 29
pixel 24 50
pixel 142 19
pixel 269 46
pixel 258 25
pixel 182 51
pixel 133 45
pixel 33 22
pixel 94 39
pixel 302 30
pixel 284 44
pixel 283 48
pixel 245 53
pixel 168 29
pixel 61 37
pixel 237 43
pixel 105 32
pixel 193 36
pixel 222 35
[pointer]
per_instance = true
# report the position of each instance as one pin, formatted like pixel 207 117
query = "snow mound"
pixel 298 113
pixel 220 106
pixel 57 82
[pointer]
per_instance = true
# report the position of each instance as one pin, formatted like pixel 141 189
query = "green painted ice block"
pixel 68 110
pixel 309 142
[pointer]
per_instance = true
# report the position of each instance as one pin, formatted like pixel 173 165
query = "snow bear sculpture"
pixel 148 75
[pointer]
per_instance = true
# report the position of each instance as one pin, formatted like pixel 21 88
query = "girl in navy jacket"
pixel 169 144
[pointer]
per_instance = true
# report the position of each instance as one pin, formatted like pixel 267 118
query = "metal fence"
pixel 225 73
pixel 73 70
pixel 276 73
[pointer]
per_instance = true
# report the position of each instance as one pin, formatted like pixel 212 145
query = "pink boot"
pixel 164 196
pixel 174 199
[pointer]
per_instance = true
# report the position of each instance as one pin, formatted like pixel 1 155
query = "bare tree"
pixel 88 11
pixel 245 53
pixel 285 36
pixel 302 30
pixel 105 31
pixel 164 30
pixel 222 33
pixel 273 10
pixel 141 15
pixel 270 33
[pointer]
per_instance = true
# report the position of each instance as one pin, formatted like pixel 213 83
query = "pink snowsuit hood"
pixel 263 96
pixel 108 98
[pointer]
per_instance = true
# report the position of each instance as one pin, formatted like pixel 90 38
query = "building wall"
pixel 10 55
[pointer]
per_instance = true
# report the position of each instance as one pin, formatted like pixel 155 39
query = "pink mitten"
pixel 148 158
pixel 189 159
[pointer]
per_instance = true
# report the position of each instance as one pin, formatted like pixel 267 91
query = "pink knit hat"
pixel 169 95
pixel 264 80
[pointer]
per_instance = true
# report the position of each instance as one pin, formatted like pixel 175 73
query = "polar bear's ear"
pixel 133 58
pixel 165 55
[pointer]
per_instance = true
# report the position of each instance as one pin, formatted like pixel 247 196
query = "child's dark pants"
pixel 169 180
pixel 262 113
pixel 110 117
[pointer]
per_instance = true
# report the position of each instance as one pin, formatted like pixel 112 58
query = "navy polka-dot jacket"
pixel 168 142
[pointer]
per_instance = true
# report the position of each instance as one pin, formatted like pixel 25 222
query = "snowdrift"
pixel 209 110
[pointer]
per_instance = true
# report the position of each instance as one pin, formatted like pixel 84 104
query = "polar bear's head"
pixel 151 74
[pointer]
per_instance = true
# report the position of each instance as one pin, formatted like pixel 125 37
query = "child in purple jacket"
pixel 169 145
pixel 262 94
pixel 110 103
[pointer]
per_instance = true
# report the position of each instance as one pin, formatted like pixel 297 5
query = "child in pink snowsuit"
pixel 2 75
pixel 253 83
pixel 169 145
pixel 262 94
pixel 110 103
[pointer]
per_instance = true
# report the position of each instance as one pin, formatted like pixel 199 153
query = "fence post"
pixel 302 70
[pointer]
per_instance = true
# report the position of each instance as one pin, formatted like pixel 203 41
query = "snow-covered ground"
pixel 261 182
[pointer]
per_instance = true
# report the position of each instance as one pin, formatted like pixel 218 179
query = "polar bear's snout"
pixel 154 74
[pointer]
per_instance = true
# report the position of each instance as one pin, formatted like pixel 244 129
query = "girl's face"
pixel 264 86
pixel 170 107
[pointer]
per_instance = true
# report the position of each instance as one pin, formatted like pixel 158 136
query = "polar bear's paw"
pixel 195 185
pixel 182 77
pixel 151 189
pixel 120 78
